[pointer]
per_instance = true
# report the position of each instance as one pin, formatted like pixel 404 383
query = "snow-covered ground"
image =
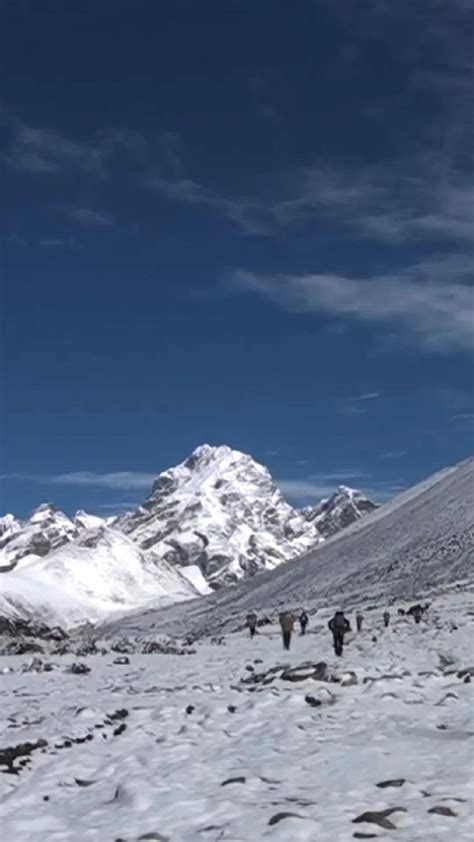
pixel 191 727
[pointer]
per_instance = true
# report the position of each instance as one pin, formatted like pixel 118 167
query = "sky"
pixel 246 222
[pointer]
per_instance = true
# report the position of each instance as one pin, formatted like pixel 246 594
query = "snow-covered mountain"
pixel 216 518
pixel 221 511
pixel 46 530
pixel 100 573
pixel 420 542
pixel 82 520
pixel 339 511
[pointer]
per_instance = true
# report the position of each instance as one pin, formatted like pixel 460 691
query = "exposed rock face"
pixel 220 510
pixel 339 511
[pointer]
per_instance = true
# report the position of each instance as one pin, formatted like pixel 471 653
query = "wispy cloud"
pixel 353 409
pixel 357 405
pixel 419 198
pixel 40 152
pixel 91 218
pixel 430 302
pixel 249 214
pixel 305 490
pixel 59 243
pixel 368 396
pixel 316 487
pixel 113 508
pixel 15 239
pixel 120 480
pixel 454 399
pixel 394 454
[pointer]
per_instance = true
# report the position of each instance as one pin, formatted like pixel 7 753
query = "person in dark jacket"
pixel 417 613
pixel 252 623
pixel 304 619
pixel 287 621
pixel 339 625
pixel 359 620
pixel 386 618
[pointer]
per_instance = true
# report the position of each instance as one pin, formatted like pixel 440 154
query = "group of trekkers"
pixel 338 625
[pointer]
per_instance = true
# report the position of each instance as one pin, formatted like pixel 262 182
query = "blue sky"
pixel 245 222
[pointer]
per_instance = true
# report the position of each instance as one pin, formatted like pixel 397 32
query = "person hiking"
pixel 417 612
pixel 386 619
pixel 339 625
pixel 287 621
pixel 359 620
pixel 304 619
pixel 252 623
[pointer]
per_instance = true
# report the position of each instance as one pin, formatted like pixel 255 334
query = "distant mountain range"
pixel 209 522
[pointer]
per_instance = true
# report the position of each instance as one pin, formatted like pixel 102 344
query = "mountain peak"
pixel 337 512
pixel 220 510
pixel 43 508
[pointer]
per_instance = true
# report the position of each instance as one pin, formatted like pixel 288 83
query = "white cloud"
pixel 431 302
pixel 91 218
pixel 424 198
pixel 316 487
pixel 394 454
pixel 249 214
pixel 59 242
pixel 353 409
pixel 368 396
pixel 120 480
pixel 38 151
pixel 305 489
pixel 116 508
pixel 16 239
pixel 123 480
pixel 464 416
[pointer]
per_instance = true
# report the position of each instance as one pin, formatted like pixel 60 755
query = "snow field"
pixel 191 726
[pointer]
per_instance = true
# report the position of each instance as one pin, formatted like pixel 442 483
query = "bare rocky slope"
pixel 422 540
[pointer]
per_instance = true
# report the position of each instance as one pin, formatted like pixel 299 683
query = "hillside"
pixel 421 540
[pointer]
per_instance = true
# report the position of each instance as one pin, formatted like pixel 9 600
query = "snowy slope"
pixel 339 511
pixel 422 540
pixel 101 573
pixel 181 749
pixel 221 511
